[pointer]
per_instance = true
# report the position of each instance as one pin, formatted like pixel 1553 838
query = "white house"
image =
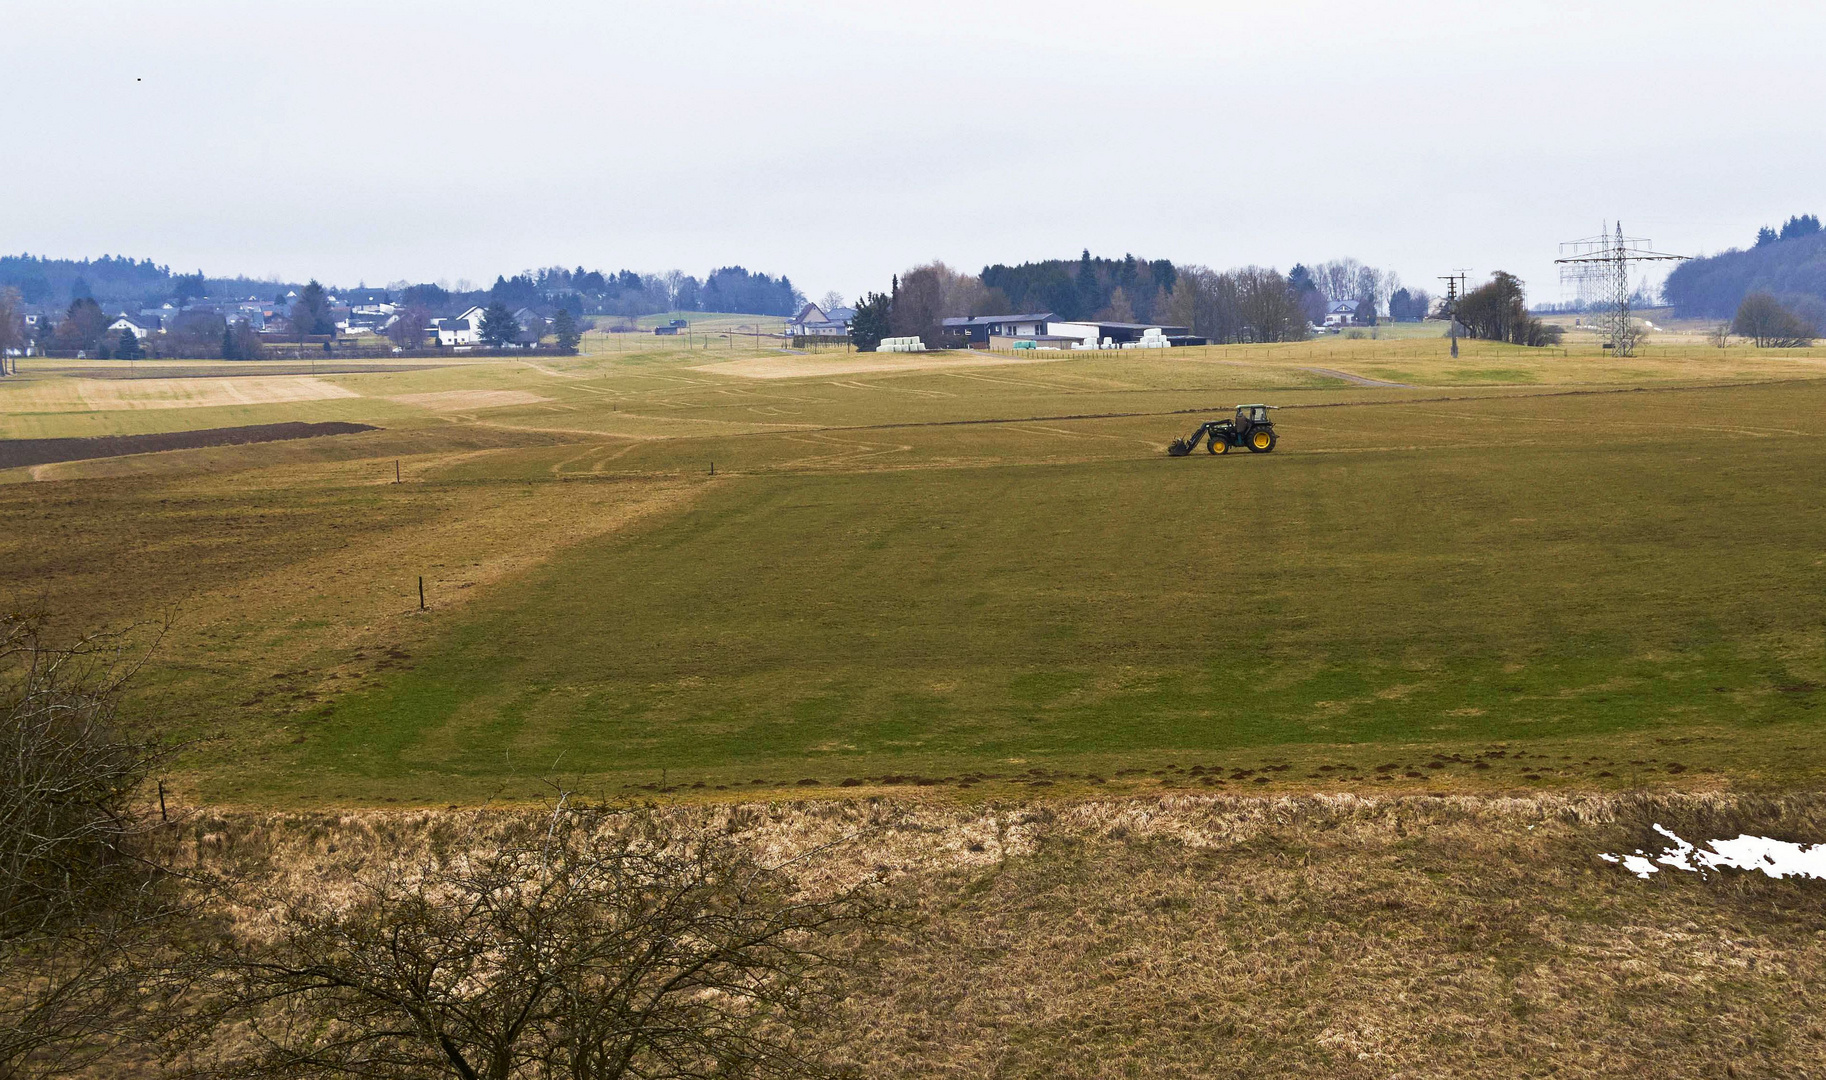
pixel 1341 313
pixel 814 321
pixel 464 329
pixel 141 327
pixel 810 313
pixel 366 318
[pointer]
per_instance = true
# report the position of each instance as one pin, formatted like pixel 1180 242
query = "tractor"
pixel 1251 429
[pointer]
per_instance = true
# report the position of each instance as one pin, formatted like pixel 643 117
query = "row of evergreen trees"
pixel 1795 228
pixel 1123 290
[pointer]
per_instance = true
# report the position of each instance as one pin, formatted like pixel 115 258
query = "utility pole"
pixel 1455 284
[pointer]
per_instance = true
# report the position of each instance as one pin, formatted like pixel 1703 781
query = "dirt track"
pixel 16 453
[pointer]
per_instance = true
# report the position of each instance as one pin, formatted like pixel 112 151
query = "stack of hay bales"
pixel 1151 338
pixel 901 344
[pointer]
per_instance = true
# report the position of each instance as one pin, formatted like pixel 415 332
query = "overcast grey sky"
pixel 839 142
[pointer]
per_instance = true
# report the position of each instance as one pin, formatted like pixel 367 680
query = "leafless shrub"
pixel 78 897
pixel 593 944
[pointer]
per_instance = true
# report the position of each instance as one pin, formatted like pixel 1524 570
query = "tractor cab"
pixel 1248 416
pixel 1253 429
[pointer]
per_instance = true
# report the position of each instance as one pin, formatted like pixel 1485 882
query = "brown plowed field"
pixel 15 453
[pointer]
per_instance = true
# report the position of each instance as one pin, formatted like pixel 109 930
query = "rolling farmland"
pixel 1522 570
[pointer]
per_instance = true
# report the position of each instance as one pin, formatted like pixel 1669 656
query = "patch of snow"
pixel 1775 858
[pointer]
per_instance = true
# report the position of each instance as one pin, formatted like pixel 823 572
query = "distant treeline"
pixel 1789 265
pixel 624 292
pixel 115 281
pixel 59 281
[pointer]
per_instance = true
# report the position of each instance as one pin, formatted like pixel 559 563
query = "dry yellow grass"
pixel 465 400
pixel 1247 937
pixel 106 395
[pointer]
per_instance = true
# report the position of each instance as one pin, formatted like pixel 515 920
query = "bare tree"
pixel 1338 279
pixel 591 945
pixel 929 295
pixel 79 900
pixel 195 333
pixel 407 330
pixel 1238 306
pixel 12 325
pixel 831 301
pixel 1766 321
pixel 1387 285
pixel 1498 311
pixel 1268 306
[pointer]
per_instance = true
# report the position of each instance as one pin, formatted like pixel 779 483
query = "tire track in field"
pixel 1640 425
pixel 1359 380
pixel 854 452
pixel 854 385
pixel 1207 410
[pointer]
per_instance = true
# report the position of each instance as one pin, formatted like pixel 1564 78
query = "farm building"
pixel 1045 330
pixel 979 330
pixel 671 329
pixel 998 342
pixel 1093 332
pixel 814 321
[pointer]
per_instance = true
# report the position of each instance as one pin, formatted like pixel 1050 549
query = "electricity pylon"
pixel 1599 267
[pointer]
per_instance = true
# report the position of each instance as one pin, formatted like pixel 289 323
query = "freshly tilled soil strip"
pixel 16 453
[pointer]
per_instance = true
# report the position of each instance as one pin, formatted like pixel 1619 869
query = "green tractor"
pixel 1251 429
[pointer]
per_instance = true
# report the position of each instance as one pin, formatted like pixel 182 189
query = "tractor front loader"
pixel 1250 429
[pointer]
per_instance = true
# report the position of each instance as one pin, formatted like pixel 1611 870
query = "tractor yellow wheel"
pixel 1218 445
pixel 1261 442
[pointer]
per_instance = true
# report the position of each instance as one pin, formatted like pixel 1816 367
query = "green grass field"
pixel 1521 569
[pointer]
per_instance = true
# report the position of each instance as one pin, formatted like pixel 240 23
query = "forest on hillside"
pixel 1789 264
pixel 109 278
